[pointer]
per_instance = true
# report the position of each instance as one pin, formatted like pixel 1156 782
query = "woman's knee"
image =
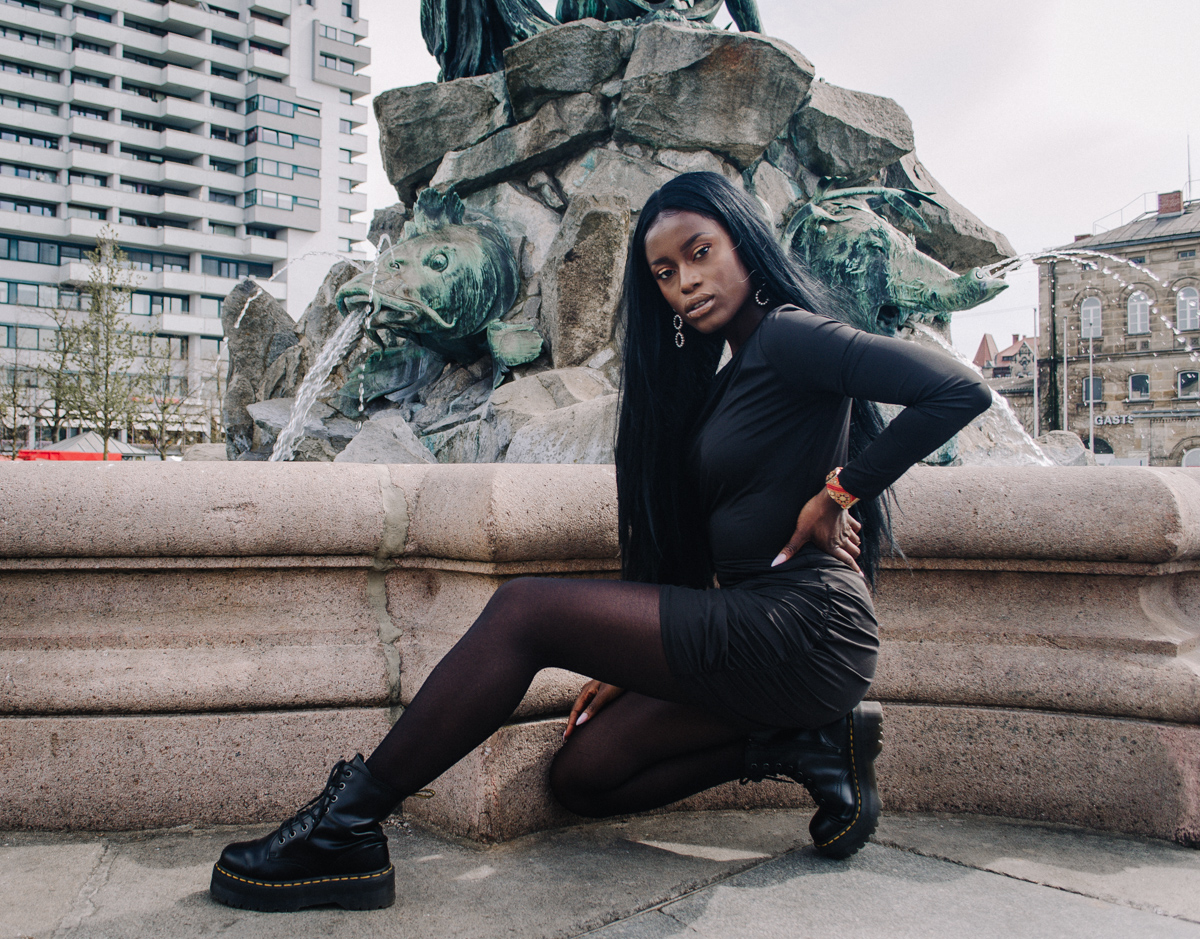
pixel 573 784
pixel 518 597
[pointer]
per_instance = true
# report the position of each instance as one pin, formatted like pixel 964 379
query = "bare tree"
pixel 20 398
pixel 105 347
pixel 164 399
pixel 59 384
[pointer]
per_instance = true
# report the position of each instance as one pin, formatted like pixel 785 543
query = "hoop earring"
pixel 761 297
pixel 677 324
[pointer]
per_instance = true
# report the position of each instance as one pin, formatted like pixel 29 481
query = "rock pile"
pixel 562 148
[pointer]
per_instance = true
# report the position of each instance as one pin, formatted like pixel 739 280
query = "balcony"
pixel 28 54
pixel 360 55
pixel 267 63
pixel 355 143
pixel 300 217
pixel 265 249
pixel 280 8
pixel 78 194
pixel 186 324
pixel 184 50
pixel 87 61
pixel 52 193
pixel 268 32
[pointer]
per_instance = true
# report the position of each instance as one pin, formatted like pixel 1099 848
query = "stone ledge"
pixel 505 513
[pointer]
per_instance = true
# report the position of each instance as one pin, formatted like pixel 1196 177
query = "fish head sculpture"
pixel 880 273
pixel 450 274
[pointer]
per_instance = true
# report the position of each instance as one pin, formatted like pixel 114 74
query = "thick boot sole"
pixel 373 890
pixel 866 743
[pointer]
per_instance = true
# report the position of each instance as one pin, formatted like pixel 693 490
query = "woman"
pixel 741 640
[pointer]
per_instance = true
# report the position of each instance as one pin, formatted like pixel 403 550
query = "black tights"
pixel 646 749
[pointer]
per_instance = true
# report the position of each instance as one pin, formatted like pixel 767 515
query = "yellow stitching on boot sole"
pixel 305 883
pixel 857 792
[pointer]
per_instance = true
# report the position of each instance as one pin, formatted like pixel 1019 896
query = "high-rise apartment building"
pixel 219 141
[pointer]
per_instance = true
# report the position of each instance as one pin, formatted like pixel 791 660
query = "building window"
pixel 348 8
pixel 219 228
pixel 30 140
pixel 344 215
pixel 156 261
pixel 93 14
pixel 255 231
pixel 86 179
pixel 155 304
pixel 232 268
pixel 222 133
pixel 218 72
pixel 80 78
pixel 223 42
pixel 79 44
pixel 1093 390
pixel 1139 387
pixel 345 126
pixel 256 46
pixel 345 97
pixel 87 146
pixel 1139 313
pixel 345 244
pixel 1189 384
pixel 28 295
pixel 223 104
pixel 222 166
pixel 25 207
pixel 28 71
pixel 345 156
pixel 95 114
pixel 1187 309
pixel 266 17
pixel 28 172
pixel 1190 253
pixel 211 307
pixel 28 104
pixel 224 198
pixel 346 185
pixel 1089 315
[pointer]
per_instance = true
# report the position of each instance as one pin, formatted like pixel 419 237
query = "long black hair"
pixel 663 533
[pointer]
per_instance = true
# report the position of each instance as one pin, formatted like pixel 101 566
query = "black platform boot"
pixel 332 851
pixel 836 764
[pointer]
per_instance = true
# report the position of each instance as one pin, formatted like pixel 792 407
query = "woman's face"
pixel 698 270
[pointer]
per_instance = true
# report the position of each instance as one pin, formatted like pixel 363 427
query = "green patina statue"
pixel 884 278
pixel 436 295
pixel 468 37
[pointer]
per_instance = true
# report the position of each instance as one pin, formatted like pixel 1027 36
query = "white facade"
pixel 219 142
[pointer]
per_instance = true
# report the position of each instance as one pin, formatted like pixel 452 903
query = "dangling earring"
pixel 761 297
pixel 678 324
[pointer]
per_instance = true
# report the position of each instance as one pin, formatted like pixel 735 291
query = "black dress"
pixel 795 645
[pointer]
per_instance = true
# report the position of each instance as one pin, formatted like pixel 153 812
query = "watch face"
pixel 692 9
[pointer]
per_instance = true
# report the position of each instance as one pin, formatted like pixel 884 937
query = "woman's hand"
pixel 594 696
pixel 830 527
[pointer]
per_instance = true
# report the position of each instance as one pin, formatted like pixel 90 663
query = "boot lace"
pixel 310 814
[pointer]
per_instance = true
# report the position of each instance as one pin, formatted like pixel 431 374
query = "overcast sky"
pixel 1041 116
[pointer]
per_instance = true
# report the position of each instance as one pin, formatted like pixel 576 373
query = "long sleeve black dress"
pixel 795 646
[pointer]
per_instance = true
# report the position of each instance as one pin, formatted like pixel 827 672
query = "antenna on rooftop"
pixel 1189 158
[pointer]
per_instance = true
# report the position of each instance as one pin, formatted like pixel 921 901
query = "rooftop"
pixel 1147 228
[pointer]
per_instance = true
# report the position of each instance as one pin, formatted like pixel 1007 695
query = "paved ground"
pixel 725 875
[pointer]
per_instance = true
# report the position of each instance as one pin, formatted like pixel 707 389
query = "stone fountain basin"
pixel 197 642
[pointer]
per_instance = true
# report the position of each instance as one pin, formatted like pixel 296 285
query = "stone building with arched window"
pixel 1119 350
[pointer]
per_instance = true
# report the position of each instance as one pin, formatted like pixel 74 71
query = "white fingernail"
pixel 779 560
pixel 582 717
